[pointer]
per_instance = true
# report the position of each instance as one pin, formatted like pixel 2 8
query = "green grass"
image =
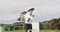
pixel 40 31
pixel 49 30
pixel 46 30
pixel 17 31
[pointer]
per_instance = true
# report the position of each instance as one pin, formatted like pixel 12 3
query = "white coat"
pixel 27 16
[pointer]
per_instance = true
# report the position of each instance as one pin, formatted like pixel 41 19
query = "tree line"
pixel 50 24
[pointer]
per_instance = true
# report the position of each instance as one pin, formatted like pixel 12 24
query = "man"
pixel 28 17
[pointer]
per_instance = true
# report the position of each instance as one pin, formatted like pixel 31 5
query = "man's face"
pixel 31 11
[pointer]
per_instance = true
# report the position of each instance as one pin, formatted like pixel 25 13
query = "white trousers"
pixel 35 27
pixel 0 29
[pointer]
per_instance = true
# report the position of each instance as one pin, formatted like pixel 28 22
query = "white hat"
pixel 31 8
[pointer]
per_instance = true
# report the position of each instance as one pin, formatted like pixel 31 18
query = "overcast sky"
pixel 44 9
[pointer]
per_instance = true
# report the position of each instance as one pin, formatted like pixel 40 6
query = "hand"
pixel 33 15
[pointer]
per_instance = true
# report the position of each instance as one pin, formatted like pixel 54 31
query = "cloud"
pixel 44 9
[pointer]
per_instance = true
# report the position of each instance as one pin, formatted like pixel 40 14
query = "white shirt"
pixel 27 16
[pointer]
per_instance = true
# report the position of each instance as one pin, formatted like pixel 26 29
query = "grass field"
pixel 40 31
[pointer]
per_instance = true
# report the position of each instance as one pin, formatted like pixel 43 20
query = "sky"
pixel 44 9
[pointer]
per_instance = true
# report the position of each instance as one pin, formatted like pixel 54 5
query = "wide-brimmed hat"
pixel 31 9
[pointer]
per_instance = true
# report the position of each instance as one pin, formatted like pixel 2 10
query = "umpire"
pixel 28 17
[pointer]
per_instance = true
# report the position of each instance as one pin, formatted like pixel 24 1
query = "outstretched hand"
pixel 33 15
